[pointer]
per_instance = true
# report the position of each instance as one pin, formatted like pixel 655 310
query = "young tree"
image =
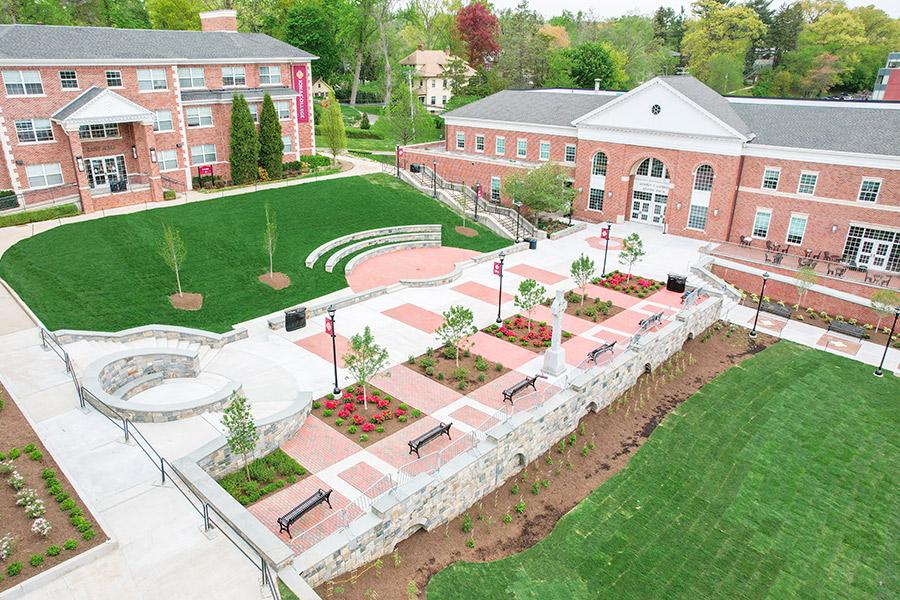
pixel 405 116
pixel 458 325
pixel 479 29
pixel 332 125
pixel 244 152
pixel 530 294
pixel 270 237
pixel 806 278
pixel 542 190
pixel 724 73
pixel 632 251
pixel 598 60
pixel 583 270
pixel 172 252
pixel 364 359
pixel 240 429
pixel 884 302
pixel 271 148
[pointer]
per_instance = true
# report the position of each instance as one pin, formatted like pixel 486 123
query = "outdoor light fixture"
pixel 134 152
pixel 79 162
pixel 878 372
pixel 152 154
pixel 329 329
pixel 715 212
pixel 834 229
pixel 498 270
pixel 605 233
pixel 434 179
pixel 765 278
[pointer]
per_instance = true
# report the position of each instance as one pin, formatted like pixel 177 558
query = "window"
pixel 23 83
pixel 570 153
pixel 203 154
pixel 34 130
pixel 796 229
pixel 162 120
pixel 191 77
pixel 434 83
pixel 283 108
pixel 44 175
pixel 460 140
pixel 761 223
pixel 770 178
pixel 433 100
pixel 653 168
pixel 254 112
pixel 521 148
pixel 168 160
pixel 151 79
pixel 599 164
pixel 114 79
pixel 479 143
pixel 703 181
pixel 98 131
pixel 68 80
pixel 199 116
pixel 443 99
pixel 544 151
pixel 807 183
pixel 868 191
pixel 286 145
pixel 495 189
pixel 232 76
pixel 500 145
pixel 697 216
pixel 595 199
pixel 270 76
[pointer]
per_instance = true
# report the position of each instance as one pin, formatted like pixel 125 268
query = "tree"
pixel 559 69
pixel 542 190
pixel 480 30
pixel 559 37
pixel 530 294
pixel 458 325
pixel 456 73
pixel 361 29
pixel 382 18
pixel 785 30
pixel 600 61
pixel 240 430
pixel 311 26
pixel 523 48
pixel 270 237
pixel 271 148
pixel 724 73
pixel 405 116
pixel 332 126
pixel 582 270
pixel 884 302
pixel 720 29
pixel 244 150
pixel 172 252
pixel 668 27
pixel 632 252
pixel 174 14
pixel 805 278
pixel 364 359
pixel 48 12
pixel 644 53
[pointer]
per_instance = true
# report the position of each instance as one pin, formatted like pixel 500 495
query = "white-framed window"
pixel 460 140
pixel 521 148
pixel 796 229
pixel 495 189
pixel 162 120
pixel 595 199
pixel 703 181
pixel 203 154
pixel 479 143
pixel 761 223
pixel 199 116
pixel 869 189
pixel 807 183
pixel 443 99
pixel 544 151
pixel 114 79
pixel 569 156
pixel 270 76
pixel 697 214
pixel 234 76
pixel 598 166
pixel 150 80
pixel 433 100
pixel 500 145
pixel 283 108
pixel 771 175
pixel 191 77
pixel 23 83
pixel 34 130
pixel 286 145
pixel 98 131
pixel 254 112
pixel 434 83
pixel 68 80
pixel 45 175
pixel 168 160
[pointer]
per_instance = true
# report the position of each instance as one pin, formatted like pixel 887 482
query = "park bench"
pixel 512 390
pixel 416 444
pixel 596 353
pixel 697 292
pixel 651 321
pixel 776 309
pixel 285 522
pixel 847 329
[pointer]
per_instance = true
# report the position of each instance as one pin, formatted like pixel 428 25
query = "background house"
pixel 432 82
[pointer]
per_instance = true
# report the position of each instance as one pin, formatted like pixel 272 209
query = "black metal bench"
pixel 697 292
pixel 651 321
pixel 512 390
pixel 776 309
pixel 596 353
pixel 847 329
pixel 416 444
pixel 285 522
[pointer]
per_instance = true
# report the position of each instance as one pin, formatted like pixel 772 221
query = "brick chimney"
pixel 218 20
pixel 597 85
pixel 421 45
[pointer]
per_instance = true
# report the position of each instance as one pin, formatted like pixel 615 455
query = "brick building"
pixel 887 82
pixel 807 174
pixel 108 117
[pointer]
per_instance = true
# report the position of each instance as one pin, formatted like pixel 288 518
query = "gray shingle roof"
pixel 249 94
pixel 708 99
pixel 541 107
pixel 82 99
pixel 24 43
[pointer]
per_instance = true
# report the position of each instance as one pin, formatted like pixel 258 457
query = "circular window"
pixel 655 109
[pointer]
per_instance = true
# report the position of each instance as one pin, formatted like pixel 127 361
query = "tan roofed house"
pixel 432 84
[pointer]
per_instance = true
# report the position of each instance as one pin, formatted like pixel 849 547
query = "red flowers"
pixel 358 419
pixel 368 427
pixel 381 417
pixel 330 404
pixel 399 412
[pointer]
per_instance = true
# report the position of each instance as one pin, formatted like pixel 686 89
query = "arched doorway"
pixel 650 192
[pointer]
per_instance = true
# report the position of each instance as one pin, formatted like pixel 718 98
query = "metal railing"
pixel 49 342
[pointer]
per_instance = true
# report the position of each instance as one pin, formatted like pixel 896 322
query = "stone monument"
pixel 555 357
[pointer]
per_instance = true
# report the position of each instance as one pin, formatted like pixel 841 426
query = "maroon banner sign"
pixel 329 326
pixel 204 170
pixel 298 77
pixel 498 268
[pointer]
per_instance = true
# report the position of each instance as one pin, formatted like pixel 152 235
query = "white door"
pixel 874 254
pixel 104 170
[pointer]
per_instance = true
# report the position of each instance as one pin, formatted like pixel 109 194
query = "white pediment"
pixel 104 107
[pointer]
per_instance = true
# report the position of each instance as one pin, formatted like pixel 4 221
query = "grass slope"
pixel 106 274
pixel 776 480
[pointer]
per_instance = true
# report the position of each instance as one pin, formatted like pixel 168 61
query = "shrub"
pixel 36 455
pixel 426 361
pixel 380 429
pixel 520 507
pixel 36 560
pixel 429 371
pixel 48 474
pixel 507 518
pixel 480 363
pixel 402 418
pixel 352 429
pixel 448 352
pixel 70 544
pixel 440 376
pixel 364 438
pixel 53 551
pixel 44 214
pixel 29 448
pixel 498 367
pixel 14 569
pixel 481 377
pixel 14 453
pixel 327 412
pixel 168 194
pixel 470 543
pixel 88 535
pixel 460 373
pixel 467 523
pixel 338 422
pixel 416 413
pixel 51 481
pixel 315 160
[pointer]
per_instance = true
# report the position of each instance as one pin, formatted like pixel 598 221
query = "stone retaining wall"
pixel 316 254
pixel 120 371
pixel 183 334
pixel 568 231
pixel 346 251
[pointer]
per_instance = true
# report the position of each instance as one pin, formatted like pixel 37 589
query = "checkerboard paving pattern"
pixel 600 244
pixel 605 336
pixel 491 394
pixel 618 298
pixel 415 389
pixel 394 450
pixel 317 446
pixel 577 348
pixel 481 292
pixel 572 324
pixel 320 345
pixel 541 275
pixel 768 322
pixel 415 316
pixel 498 350
pixel 366 479
pixel 840 344
pixel 473 417
pixel 629 321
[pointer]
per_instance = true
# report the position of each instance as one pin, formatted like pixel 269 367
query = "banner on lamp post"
pixel 498 268
pixel 329 326
pixel 604 233
pixel 298 77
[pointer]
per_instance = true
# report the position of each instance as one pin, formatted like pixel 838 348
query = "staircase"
pixel 84 352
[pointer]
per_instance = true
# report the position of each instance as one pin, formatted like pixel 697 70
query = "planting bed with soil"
pixel 348 414
pixel 633 285
pixel 267 475
pixel 525 332
pixel 594 310
pixel 472 372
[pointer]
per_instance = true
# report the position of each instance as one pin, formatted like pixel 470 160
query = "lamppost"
pixel 434 179
pixel 878 371
pixel 499 270
pixel 477 198
pixel 518 216
pixel 607 229
pixel 762 292
pixel 572 207
pixel 329 328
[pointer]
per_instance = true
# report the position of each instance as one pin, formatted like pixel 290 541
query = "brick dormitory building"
pixel 109 117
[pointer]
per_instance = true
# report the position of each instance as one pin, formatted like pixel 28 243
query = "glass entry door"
pixel 648 207
pixel 874 254
pixel 106 172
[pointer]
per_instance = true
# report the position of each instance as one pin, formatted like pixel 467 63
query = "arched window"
pixel 599 167
pixel 653 168
pixel 703 178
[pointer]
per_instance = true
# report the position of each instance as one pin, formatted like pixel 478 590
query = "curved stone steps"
pixel 346 251
pixel 363 256
pixel 337 242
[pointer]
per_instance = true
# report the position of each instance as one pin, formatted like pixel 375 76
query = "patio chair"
pixel 746 241
pixel 839 271
pixel 776 260
pixel 886 281
pixel 770 245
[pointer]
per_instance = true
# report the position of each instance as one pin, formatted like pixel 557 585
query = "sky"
pixel 615 8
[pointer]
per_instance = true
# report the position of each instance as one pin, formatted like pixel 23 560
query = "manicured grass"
pixel 42 214
pixel 776 480
pixel 387 159
pixel 106 274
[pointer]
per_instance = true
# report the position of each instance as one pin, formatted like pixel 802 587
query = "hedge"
pixel 43 214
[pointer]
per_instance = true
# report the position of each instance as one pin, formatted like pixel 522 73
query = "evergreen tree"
pixel 244 152
pixel 271 153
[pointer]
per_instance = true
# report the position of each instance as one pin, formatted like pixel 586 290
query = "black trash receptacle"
pixel 295 318
pixel 676 283
pixel 532 243
pixel 415 168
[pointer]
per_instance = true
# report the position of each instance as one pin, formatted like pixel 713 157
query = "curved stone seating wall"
pixel 149 332
pixel 346 251
pixel 316 254
pixel 363 256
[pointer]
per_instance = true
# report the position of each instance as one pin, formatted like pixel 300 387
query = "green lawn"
pixel 776 480
pixel 106 274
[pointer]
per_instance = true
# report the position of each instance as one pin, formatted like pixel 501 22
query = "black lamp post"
pixel 887 344
pixel 434 179
pixel 477 197
pixel 518 217
pixel 608 230
pixel 500 292
pixel 572 207
pixel 397 159
pixel 331 311
pixel 762 292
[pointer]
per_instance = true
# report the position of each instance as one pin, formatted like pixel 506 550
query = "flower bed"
pixel 348 414
pixel 472 372
pixel 634 285
pixel 267 475
pixel 595 310
pixel 519 330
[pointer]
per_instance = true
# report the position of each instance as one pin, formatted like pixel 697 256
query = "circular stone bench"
pixel 316 254
pixel 363 256
pixel 346 251
pixel 117 378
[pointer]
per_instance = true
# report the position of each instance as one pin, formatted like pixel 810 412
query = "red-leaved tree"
pixel 480 30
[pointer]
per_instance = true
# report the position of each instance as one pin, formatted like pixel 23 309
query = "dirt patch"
pixel 15 432
pixel 187 301
pixel 442 368
pixel 347 414
pixel 466 231
pixel 563 476
pixel 276 280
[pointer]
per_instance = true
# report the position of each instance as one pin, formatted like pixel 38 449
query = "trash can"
pixel 415 168
pixel 532 243
pixel 676 283
pixel 295 318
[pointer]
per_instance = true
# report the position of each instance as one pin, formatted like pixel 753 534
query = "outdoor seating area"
pixel 848 329
pixel 417 443
pixel 510 392
pixel 285 522
pixel 774 308
pixel 596 353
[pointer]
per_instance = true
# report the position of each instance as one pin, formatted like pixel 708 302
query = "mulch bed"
pixel 525 332
pixel 641 287
pixel 15 432
pixel 359 424
pixel 571 470
pixel 466 231
pixel 187 301
pixel 276 280
pixel 442 369
pixel 551 225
